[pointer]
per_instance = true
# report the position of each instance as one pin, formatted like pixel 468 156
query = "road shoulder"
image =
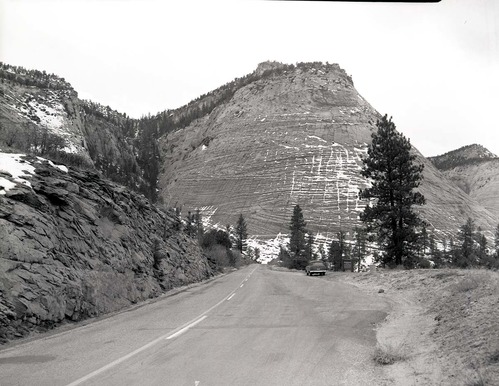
pixel 405 347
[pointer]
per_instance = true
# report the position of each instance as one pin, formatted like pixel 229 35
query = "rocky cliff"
pixel 41 113
pixel 475 170
pixel 295 136
pixel 73 246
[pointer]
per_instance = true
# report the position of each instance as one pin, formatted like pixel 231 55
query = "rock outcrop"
pixel 73 246
pixel 296 136
pixel 475 170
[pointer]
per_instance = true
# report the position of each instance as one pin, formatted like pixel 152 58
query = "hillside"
pixel 296 136
pixel 466 155
pixel 281 135
pixel 475 170
pixel 76 246
pixel 443 328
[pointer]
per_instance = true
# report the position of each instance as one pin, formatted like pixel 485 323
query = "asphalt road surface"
pixel 254 326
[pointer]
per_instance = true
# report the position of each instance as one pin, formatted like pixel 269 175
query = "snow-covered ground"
pixel 19 170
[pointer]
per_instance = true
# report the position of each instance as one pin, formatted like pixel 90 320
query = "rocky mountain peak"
pixel 464 155
pixel 268 66
pixel 292 135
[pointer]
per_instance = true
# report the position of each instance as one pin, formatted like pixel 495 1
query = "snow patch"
pixel 19 169
pixel 316 137
pixel 269 249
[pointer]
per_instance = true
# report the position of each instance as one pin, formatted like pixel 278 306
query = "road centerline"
pixel 178 331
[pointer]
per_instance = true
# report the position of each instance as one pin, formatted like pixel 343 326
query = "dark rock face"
pixel 74 246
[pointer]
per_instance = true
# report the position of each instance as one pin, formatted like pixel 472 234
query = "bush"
pixel 388 354
pixel 216 237
pixel 218 256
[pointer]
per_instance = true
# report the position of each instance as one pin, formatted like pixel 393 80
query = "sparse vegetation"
pixel 387 354
pixel 455 325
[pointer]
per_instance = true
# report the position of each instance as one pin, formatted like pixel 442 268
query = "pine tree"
pixel 322 252
pixel 297 228
pixel 496 241
pixel 198 220
pixel 360 247
pixel 465 256
pixel 394 176
pixel 241 233
pixel 309 247
pixel 334 255
pixel 190 227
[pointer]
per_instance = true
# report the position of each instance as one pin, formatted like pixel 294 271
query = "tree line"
pixel 392 228
pixel 223 247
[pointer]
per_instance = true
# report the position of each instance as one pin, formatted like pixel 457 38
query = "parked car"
pixel 315 268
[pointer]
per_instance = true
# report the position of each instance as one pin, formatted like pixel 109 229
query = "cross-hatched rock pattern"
pixel 297 137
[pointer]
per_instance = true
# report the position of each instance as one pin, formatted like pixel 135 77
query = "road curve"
pixel 255 326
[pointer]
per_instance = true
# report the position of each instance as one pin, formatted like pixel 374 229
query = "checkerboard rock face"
pixel 296 137
pixel 75 246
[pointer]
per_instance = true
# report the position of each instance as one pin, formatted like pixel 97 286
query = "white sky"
pixel 433 67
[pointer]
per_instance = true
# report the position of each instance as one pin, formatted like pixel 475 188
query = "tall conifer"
pixel 394 175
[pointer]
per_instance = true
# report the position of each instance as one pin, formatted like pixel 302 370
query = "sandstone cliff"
pixel 73 246
pixel 475 170
pixel 296 136
pixel 41 113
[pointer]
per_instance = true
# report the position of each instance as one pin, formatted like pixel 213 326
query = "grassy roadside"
pixel 444 327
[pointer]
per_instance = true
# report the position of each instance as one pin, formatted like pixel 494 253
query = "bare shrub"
pixel 467 284
pixel 387 354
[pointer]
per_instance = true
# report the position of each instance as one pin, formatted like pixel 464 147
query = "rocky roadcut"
pixel 75 246
pixel 444 325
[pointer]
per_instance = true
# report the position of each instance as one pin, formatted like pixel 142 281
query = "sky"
pixel 433 67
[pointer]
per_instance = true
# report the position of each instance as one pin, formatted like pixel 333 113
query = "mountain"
pixel 75 246
pixel 475 170
pixel 294 136
pixel 279 136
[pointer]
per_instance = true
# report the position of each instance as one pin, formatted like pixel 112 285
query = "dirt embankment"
pixel 444 327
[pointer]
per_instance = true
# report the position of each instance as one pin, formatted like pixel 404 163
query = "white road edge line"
pixel 189 324
pixel 180 332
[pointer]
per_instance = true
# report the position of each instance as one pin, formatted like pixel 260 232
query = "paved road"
pixel 254 326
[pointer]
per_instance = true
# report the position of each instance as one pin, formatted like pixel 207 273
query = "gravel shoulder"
pixel 443 328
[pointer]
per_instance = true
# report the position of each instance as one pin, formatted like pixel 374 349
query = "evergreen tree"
pixel 297 238
pixel 297 228
pixel 482 248
pixel 257 254
pixel 198 220
pixel 334 255
pixel 394 175
pixel 360 247
pixel 465 255
pixel 496 241
pixel 190 227
pixel 309 245
pixel 322 252
pixel 423 241
pixel 241 233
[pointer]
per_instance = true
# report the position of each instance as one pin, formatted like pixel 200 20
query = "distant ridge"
pixel 466 155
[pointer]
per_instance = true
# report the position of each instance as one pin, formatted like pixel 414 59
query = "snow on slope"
pixel 15 169
pixel 46 110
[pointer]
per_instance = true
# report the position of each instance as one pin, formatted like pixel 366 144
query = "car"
pixel 316 268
